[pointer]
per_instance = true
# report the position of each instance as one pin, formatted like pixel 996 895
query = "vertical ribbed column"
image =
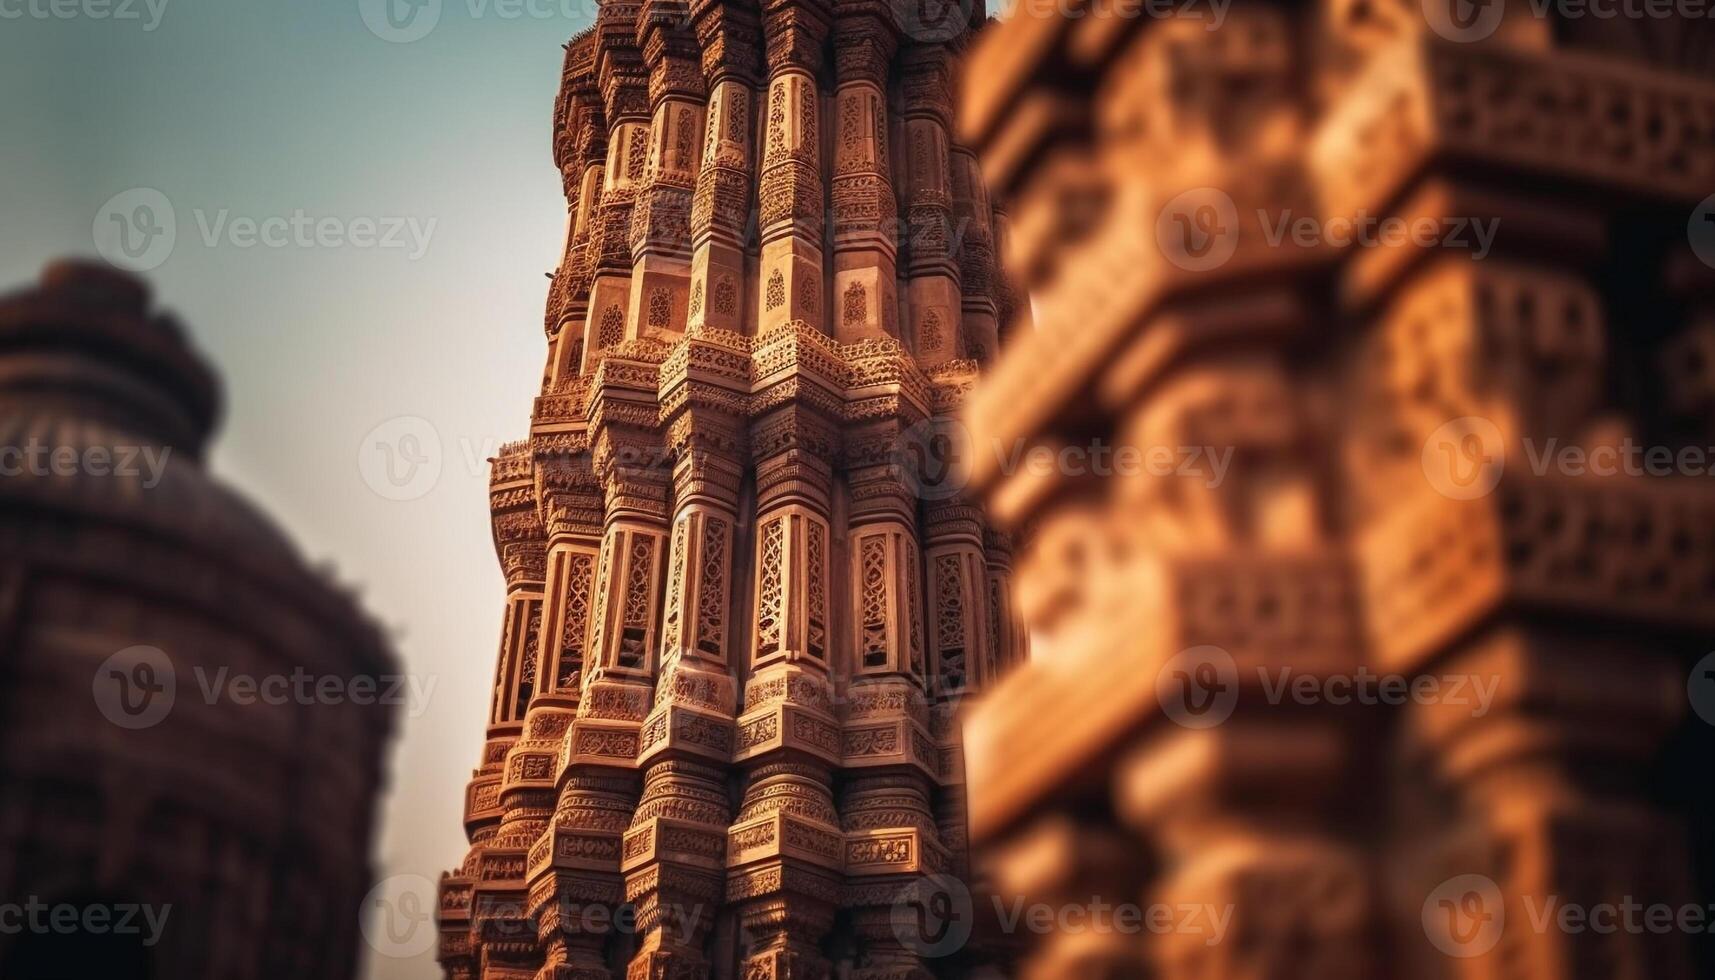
pixel 972 245
pixel 580 138
pixel 957 581
pixel 890 763
pixel 956 578
pixel 730 35
pixel 577 273
pixel 864 209
pixel 625 100
pixel 626 621
pixel 598 777
pixel 1006 642
pixel 932 289
pixel 675 850
pixel 661 216
pixel 1012 305
pixel 790 189
pixel 785 849
pixel 557 892
pixel 481 902
pixel 501 929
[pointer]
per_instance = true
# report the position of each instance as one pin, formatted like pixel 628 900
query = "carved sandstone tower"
pixel 1388 406
pixel 735 638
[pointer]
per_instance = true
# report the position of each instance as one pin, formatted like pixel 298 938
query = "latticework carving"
pixel 769 588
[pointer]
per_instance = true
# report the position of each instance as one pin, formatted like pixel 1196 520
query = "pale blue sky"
pixel 264 108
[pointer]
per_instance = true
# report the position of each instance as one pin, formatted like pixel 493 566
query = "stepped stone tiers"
pixel 1355 530
pixel 723 736
pixel 242 826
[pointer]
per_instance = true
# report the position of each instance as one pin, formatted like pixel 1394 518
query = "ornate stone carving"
pixel 674 524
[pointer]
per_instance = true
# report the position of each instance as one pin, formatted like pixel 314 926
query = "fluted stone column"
pixel 960 660
pixel 482 903
pixel 790 189
pixel 660 219
pixel 676 848
pixel 865 302
pixel 891 765
pixel 784 850
pixel 973 250
pixel 932 271
pixel 1005 628
pixel 625 98
pixel 500 922
pixel 721 212
pixel 1012 304
pixel 580 140
pixel 558 895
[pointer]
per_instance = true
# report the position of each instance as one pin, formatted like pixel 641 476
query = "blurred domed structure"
pixel 139 600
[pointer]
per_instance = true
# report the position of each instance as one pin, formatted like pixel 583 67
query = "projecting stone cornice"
pixel 748 376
